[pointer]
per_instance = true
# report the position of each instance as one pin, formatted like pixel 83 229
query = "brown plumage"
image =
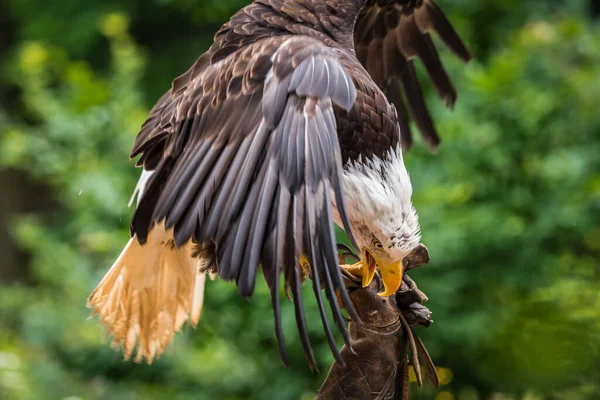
pixel 248 147
pixel 389 36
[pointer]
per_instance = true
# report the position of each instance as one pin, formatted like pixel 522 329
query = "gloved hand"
pixel 378 367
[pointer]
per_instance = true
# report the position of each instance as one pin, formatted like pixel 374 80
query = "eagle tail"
pixel 149 292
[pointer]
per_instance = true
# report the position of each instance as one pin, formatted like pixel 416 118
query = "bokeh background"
pixel 510 207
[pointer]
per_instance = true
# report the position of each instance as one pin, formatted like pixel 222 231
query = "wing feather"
pixel 258 230
pixel 388 37
pixel 248 165
pixel 310 223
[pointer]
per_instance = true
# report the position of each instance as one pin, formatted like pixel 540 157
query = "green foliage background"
pixel 510 207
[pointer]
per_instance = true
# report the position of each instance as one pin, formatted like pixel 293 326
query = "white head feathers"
pixel 378 201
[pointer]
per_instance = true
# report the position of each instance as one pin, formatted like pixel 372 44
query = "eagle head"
pixel 384 222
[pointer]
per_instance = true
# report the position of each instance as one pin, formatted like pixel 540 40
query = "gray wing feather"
pixel 249 165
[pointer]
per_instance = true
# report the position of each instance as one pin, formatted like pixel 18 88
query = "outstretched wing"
pixel 246 159
pixel 389 35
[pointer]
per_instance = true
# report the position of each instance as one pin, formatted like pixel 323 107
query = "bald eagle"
pixel 293 120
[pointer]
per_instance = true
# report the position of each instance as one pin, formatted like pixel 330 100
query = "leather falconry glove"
pixel 376 368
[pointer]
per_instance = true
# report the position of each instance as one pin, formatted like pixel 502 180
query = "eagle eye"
pixel 377 244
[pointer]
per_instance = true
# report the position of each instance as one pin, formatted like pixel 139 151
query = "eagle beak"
pixel 369 265
pixel 391 275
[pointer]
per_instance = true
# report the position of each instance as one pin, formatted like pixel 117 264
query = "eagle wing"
pixel 246 159
pixel 388 38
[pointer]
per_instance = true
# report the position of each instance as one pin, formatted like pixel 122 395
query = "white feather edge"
pixel 140 187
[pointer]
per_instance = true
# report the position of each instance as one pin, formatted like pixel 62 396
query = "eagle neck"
pixel 331 21
pixel 339 19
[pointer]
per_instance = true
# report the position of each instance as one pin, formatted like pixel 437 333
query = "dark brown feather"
pixel 389 35
pixel 249 134
pixel 249 143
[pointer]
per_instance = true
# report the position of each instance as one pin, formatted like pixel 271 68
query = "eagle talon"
pixel 353 271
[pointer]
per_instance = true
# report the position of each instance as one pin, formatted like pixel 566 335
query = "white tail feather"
pixel 148 294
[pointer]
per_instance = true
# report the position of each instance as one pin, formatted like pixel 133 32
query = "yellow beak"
pixel 391 274
pixel 369 265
